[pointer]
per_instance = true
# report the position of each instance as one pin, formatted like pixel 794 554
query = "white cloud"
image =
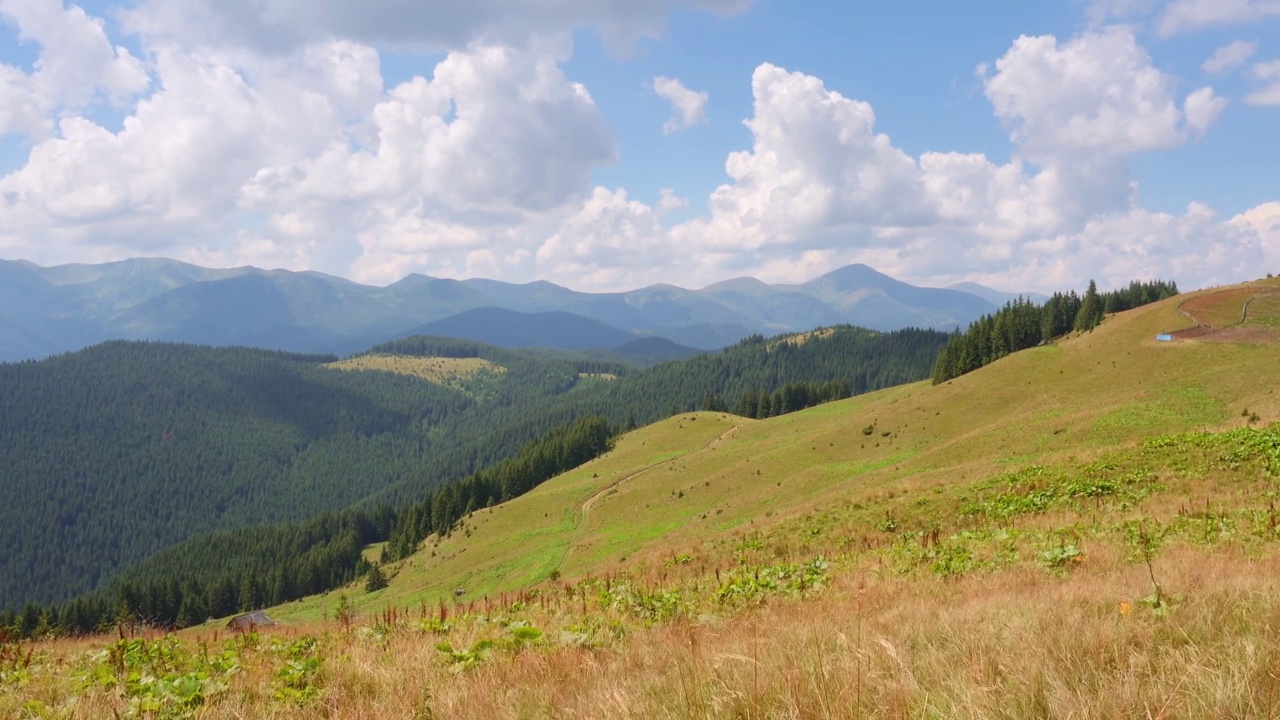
pixel 611 241
pixel 1269 73
pixel 1202 108
pixel 820 186
pixel 1229 57
pixel 1079 109
pixel 668 201
pixel 1264 222
pixel 689 107
pixel 1097 93
pixel 1143 244
pixel 496 131
pixel 274 25
pixel 307 160
pixel 816 161
pixel 1185 15
pixel 302 158
pixel 497 138
pixel 76 64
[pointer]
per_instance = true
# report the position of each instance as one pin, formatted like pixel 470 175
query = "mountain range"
pixel 50 310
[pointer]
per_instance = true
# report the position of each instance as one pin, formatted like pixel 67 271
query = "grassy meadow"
pixel 457 373
pixel 1085 529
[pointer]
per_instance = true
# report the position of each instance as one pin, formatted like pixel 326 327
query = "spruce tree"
pixel 375 579
pixel 1091 310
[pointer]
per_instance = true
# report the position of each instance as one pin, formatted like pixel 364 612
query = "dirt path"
pixel 581 520
pixel 1235 331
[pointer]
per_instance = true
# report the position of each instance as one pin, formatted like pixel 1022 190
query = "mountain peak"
pixel 858 275
pixel 744 285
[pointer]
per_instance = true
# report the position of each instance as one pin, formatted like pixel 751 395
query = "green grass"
pixel 1083 530
pixel 1264 311
pixel 1173 406
pixel 694 478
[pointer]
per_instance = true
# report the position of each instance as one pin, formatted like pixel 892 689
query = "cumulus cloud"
pixel 611 241
pixel 311 151
pixel 301 157
pixel 1080 109
pixel 1097 93
pixel 668 200
pixel 816 161
pixel 1230 57
pixel 821 185
pixel 689 107
pixel 1263 222
pixel 275 25
pixel 1202 108
pixel 1269 74
pixel 75 66
pixel 175 168
pixel 1185 15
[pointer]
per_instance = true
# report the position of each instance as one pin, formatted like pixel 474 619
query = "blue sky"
pixel 1022 145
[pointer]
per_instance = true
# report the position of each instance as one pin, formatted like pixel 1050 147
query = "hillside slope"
pixel 698 477
pixel 1086 529
pixel 111 454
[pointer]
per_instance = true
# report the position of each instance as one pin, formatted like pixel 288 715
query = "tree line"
pixel 1022 324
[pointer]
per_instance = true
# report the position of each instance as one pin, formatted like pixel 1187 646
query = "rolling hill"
pixel 1085 528
pixel 116 452
pixel 670 486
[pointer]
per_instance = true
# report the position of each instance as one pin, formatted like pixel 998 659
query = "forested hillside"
pixel 116 452
pixel 222 573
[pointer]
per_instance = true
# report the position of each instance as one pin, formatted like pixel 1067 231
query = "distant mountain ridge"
pixel 50 310
pixel 508 328
pixel 996 297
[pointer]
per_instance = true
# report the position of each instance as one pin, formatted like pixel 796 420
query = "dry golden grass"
pixel 802 338
pixel 1014 644
pixel 450 372
pixel 597 376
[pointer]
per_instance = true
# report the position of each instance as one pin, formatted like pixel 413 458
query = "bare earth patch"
pixel 1220 309
pixel 1254 334
pixel 1248 314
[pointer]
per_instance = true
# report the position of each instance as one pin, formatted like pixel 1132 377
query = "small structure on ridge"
pixel 246 622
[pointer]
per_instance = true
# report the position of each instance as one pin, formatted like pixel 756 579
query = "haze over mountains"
pixel 48 310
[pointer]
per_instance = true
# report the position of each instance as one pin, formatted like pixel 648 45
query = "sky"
pixel 610 144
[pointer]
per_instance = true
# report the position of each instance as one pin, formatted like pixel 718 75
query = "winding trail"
pixel 1231 331
pixel 580 519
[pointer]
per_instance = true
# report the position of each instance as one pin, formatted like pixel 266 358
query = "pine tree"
pixel 375 579
pixel 1091 310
